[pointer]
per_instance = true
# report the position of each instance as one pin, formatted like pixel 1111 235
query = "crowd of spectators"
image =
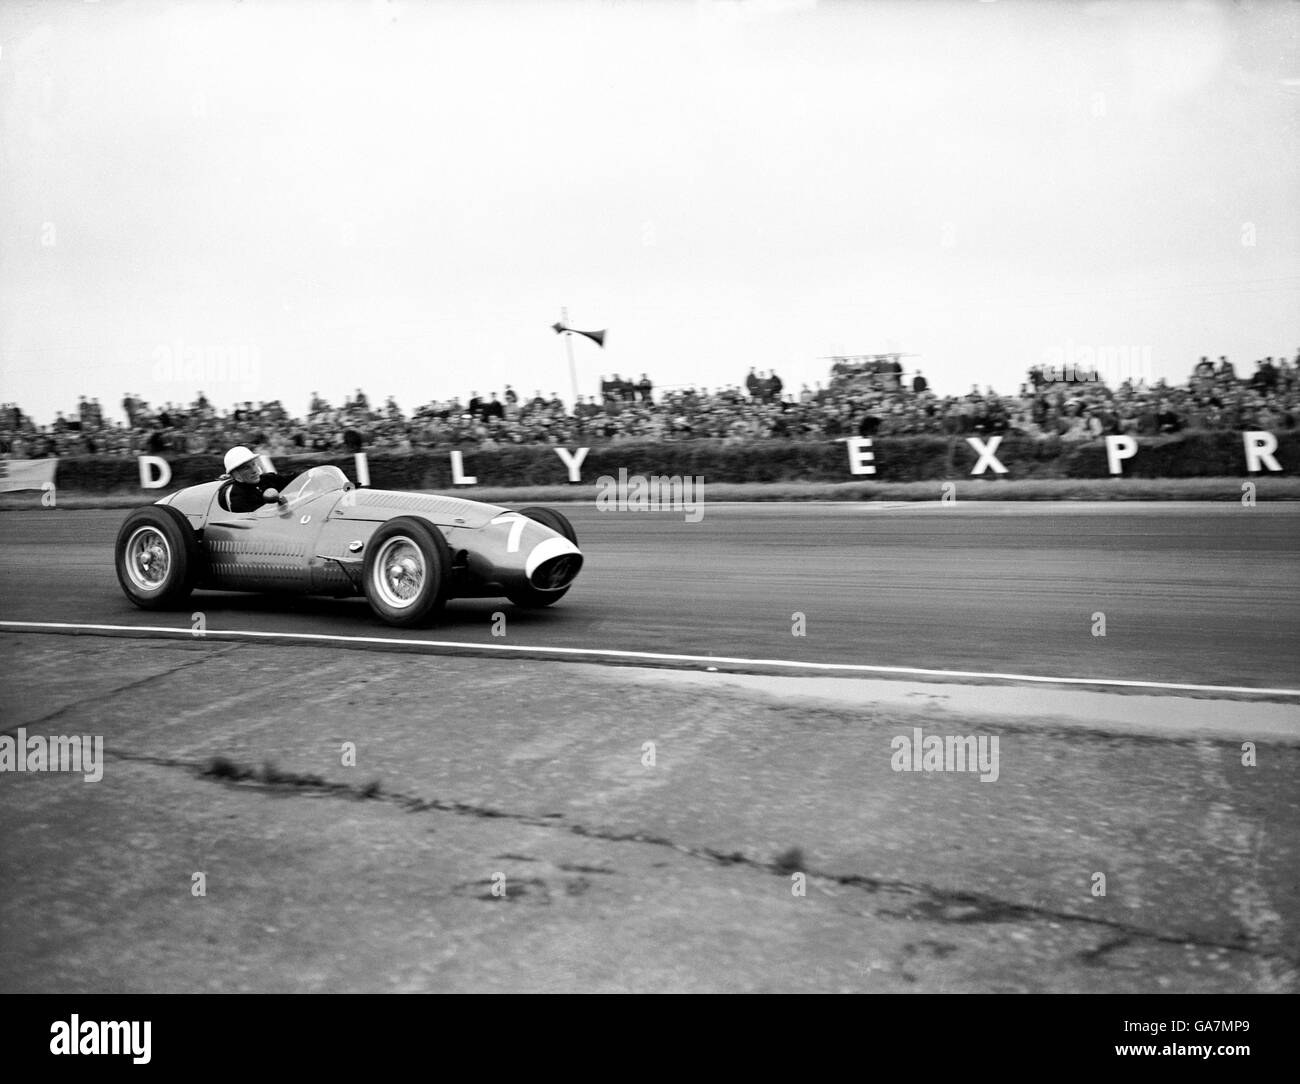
pixel 862 398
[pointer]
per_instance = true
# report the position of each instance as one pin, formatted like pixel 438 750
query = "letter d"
pixel 147 480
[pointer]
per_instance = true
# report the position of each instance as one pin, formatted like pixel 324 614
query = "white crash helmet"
pixel 238 457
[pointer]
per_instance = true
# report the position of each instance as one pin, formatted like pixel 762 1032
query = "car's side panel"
pixel 339 555
pixel 195 502
pixel 269 549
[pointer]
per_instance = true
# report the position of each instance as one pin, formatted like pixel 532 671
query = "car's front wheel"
pixel 157 557
pixel 406 569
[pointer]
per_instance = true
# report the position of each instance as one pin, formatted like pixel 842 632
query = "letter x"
pixel 987 453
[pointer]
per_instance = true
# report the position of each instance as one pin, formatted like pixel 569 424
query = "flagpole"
pixel 568 346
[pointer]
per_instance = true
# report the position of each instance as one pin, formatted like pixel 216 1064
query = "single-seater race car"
pixel 407 553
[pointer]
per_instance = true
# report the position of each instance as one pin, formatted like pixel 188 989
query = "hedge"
pixel 897 459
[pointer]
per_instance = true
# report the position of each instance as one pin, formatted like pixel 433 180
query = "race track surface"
pixel 519 823
pixel 1204 594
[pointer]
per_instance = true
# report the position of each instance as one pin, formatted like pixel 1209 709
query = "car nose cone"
pixel 544 551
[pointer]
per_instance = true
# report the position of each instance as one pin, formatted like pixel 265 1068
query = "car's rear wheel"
pixel 407 564
pixel 157 557
pixel 530 598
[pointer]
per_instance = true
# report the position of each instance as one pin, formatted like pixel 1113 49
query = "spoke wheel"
pixel 148 558
pixel 157 557
pixel 399 572
pixel 407 564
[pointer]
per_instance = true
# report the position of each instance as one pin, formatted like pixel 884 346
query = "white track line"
pixel 643 656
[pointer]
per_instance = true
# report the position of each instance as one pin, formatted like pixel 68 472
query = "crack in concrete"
pixel 105 697
pixel 1096 956
pixel 932 903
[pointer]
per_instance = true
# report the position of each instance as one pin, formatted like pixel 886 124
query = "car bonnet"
pixel 380 504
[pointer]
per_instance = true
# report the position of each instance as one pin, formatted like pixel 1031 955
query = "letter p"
pixel 1118 449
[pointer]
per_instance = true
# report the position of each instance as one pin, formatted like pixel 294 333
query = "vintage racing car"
pixel 407 553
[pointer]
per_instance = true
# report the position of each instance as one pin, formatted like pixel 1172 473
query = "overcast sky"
pixel 264 199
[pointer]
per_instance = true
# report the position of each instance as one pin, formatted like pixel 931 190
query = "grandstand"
pixel 866 395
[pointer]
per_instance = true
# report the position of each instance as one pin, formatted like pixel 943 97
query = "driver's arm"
pixel 272 485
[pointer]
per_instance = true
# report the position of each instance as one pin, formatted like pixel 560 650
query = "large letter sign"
pixel 860 459
pixel 1260 447
pixel 987 455
pixel 1117 449
pixel 147 480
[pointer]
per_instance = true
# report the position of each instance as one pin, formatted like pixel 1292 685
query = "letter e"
pixel 860 457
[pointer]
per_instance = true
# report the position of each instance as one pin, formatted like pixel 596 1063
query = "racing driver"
pixel 251 488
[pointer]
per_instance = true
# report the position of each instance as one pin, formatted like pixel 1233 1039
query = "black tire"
pixel 527 598
pixel 157 557
pixel 556 521
pixel 406 571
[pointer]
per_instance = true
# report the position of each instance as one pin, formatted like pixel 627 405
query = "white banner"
pixel 16 474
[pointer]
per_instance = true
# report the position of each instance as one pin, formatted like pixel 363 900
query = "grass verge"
pixel 966 489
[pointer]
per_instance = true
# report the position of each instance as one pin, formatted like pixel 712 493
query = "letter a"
pixel 1248 754
pixel 1098 884
pixel 648 754
pixel 799 624
pixel 901 761
pixel 199 884
pixel 798 881
pixel 607 497
pixel 349 751
pixel 498 884
pixel 1099 624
